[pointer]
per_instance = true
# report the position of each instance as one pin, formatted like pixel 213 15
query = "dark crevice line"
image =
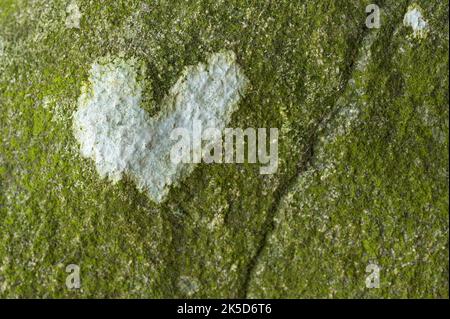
pixel 269 224
pixel 307 157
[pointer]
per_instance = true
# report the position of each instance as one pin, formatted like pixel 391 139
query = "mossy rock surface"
pixel 363 153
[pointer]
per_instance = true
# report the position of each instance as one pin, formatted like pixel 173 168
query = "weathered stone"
pixel 363 153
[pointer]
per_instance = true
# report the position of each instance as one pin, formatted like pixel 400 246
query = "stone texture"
pixel 363 155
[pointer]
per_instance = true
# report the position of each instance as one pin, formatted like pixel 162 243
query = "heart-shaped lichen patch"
pixel 122 138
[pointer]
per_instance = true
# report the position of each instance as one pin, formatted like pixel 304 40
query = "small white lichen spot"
pixel 73 15
pixel 414 19
pixel 121 138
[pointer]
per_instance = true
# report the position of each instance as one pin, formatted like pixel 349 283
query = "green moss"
pixel 378 193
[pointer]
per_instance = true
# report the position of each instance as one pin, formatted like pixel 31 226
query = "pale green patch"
pixel 73 15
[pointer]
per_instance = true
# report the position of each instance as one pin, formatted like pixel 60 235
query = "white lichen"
pixel 414 19
pixel 121 138
pixel 188 285
pixel 73 15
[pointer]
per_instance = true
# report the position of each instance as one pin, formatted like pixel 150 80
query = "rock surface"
pixel 363 149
